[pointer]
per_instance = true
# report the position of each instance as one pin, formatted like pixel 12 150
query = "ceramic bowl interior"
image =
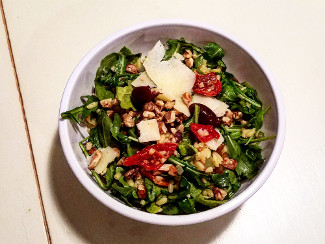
pixel 240 60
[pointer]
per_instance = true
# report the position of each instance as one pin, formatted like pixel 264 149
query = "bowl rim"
pixel 139 215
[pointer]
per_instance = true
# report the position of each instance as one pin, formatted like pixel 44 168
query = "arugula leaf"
pixel 233 147
pixel 174 47
pixel 79 113
pixel 153 208
pixel 187 205
pixel 186 45
pixel 104 130
pixel 73 114
pixel 186 149
pixel 125 51
pixel 123 94
pixel 199 61
pixel 117 80
pixel 115 130
pixel 125 191
pixel 221 181
pixel 245 167
pixel 213 51
pixel 102 93
pixel 106 64
pixel 120 64
pixel 194 191
pixel 170 209
pixel 94 137
pixel 210 203
pixel 153 190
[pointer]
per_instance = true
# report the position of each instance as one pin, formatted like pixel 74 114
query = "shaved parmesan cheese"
pixel 172 77
pixel 178 56
pixel 108 156
pixel 181 106
pixel 165 97
pixel 218 107
pixel 149 130
pixel 215 143
pixel 143 80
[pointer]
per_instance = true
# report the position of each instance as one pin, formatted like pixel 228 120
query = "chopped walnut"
pixel 187 99
pixel 158 109
pixel 131 173
pixel 89 146
pixel 110 113
pixel 170 117
pixel 121 161
pixel 169 105
pixel 162 127
pixel 188 54
pixel 148 114
pixel 109 102
pixel 128 120
pixel 219 194
pixel 160 116
pixel 181 128
pixel 95 159
pixel 189 62
pixel 237 115
pixel 149 106
pixel 173 130
pixel 160 103
pixel 142 191
pixel 229 114
pixel 91 122
pixel 131 68
pixel 227 121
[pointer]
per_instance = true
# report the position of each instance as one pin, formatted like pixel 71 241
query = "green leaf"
pixel 105 66
pixel 123 94
pixel 245 167
pixel 174 47
pixel 210 203
pixel 94 137
pixel 221 181
pixel 213 51
pixel 102 93
pixel 125 51
pixel 228 93
pixel 153 208
pixel 105 124
pixel 109 175
pixel 198 61
pixel 73 114
pixel 120 64
pixel 186 149
pixel 125 191
pixel 153 191
pixel 233 147
pixel 187 205
pixel 170 209
pixel 116 130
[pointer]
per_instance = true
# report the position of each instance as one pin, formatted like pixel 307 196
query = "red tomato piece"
pixel 207 85
pixel 151 158
pixel 204 133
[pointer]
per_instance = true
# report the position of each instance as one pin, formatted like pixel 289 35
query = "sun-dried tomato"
pixel 204 133
pixel 151 158
pixel 207 85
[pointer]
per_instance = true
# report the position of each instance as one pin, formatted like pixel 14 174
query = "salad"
pixel 171 132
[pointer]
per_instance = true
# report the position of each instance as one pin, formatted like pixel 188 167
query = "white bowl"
pixel 240 60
